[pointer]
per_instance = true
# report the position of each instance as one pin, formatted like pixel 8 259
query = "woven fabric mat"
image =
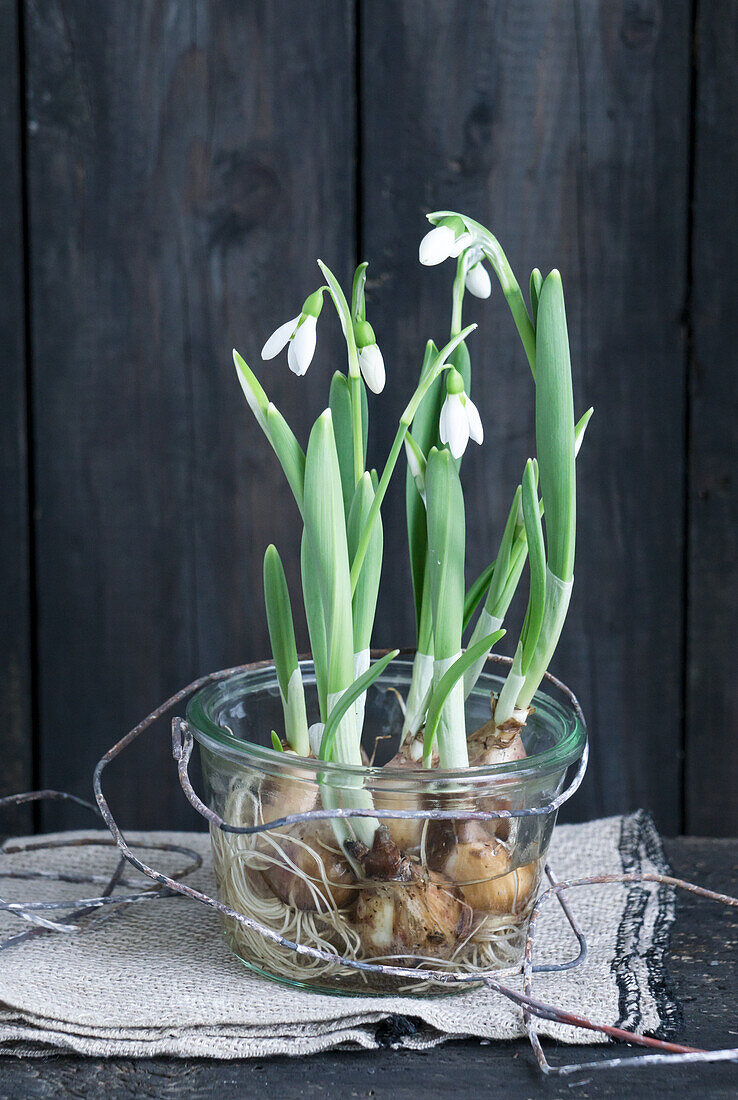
pixel 159 979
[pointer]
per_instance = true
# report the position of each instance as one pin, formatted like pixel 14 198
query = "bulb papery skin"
pixel 453 425
pixel 474 420
pixel 279 339
pixel 478 281
pixel 371 365
pixel 302 346
pixel 437 246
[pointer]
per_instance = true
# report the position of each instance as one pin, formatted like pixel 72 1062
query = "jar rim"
pixel 261 676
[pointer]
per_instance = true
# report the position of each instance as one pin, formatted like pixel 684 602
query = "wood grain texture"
pixel 711 762
pixel 15 598
pixel 564 128
pixel 187 162
pixel 703 934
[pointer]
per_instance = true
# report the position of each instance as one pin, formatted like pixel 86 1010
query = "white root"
pixel 486 941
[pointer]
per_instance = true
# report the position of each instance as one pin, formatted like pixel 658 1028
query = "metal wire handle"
pixel 672 1053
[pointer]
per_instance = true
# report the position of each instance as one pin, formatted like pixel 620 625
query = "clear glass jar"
pixel 451 895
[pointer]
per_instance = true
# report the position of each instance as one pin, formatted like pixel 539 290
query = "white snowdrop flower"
pixel 280 338
pixel 437 245
pixel 453 425
pixel 371 362
pixel 476 431
pixel 460 420
pixel 300 334
pixel 302 346
pixel 443 242
pixel 478 281
pixel 461 243
pixel 371 365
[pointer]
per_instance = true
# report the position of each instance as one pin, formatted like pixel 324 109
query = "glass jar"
pixel 445 895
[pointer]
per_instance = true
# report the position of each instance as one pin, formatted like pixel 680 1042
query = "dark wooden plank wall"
pixel 562 127
pixel 16 773
pixel 711 761
pixel 179 194
pixel 185 165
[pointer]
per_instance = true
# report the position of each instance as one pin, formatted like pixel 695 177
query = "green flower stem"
pixel 510 288
pixel 457 294
pixel 358 435
pixel 406 420
pixel 344 315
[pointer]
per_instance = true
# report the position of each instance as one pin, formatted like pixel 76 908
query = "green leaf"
pixel 325 525
pixel 475 594
pixel 275 428
pixel 284 651
pixel 367 588
pixel 347 699
pixel 580 428
pixel 536 283
pixel 446 536
pixel 289 452
pixel 518 558
pixel 276 743
pixel 447 682
pixel 502 569
pixel 537 559
pixel 340 405
pixel 313 600
pixel 555 428
pixel 279 617
pixel 252 390
pixel 358 305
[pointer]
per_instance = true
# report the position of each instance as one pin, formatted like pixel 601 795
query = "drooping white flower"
pixel 371 362
pixel 302 346
pixel 436 246
pixel 443 242
pixel 300 334
pixel 453 425
pixel 478 281
pixel 371 365
pixel 280 338
pixel 460 420
pixel 476 431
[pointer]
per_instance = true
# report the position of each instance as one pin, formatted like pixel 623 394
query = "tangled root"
pixel 403 912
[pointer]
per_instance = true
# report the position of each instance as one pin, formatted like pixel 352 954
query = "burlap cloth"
pixel 159 979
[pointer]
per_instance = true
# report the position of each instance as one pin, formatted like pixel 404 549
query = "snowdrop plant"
pixel 545 499
pixel 340 504
pixel 433 890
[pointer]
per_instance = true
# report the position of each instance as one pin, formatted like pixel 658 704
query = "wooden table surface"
pixel 704 969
